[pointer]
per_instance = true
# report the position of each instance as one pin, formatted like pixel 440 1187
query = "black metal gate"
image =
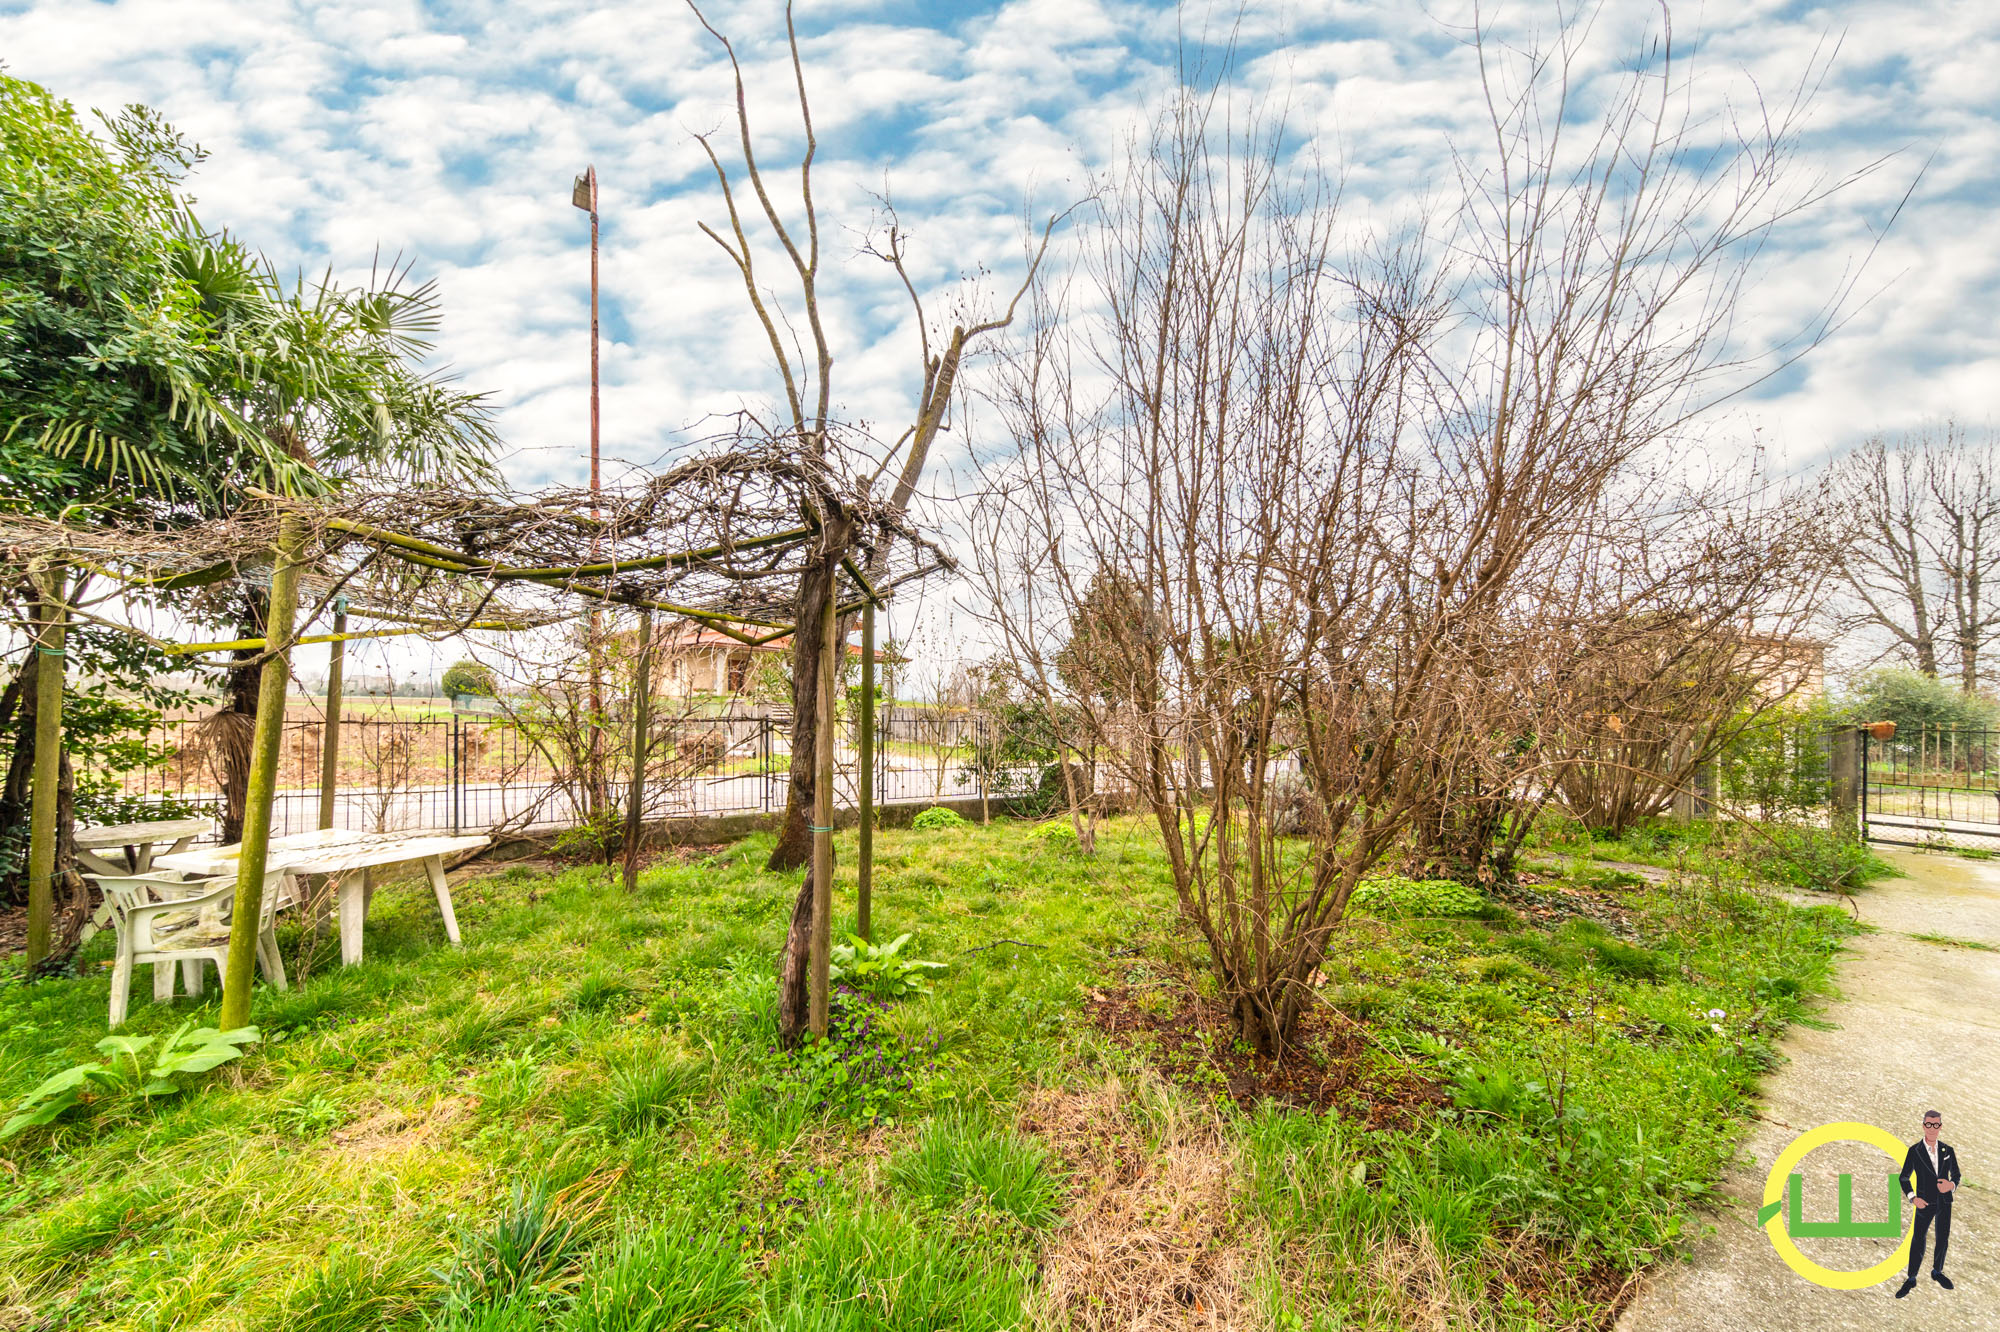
pixel 1932 786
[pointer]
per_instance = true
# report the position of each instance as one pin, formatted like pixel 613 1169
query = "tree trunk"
pixel 261 779
pixel 794 846
pixel 1927 654
pixel 794 970
pixel 17 718
pixel 1254 1027
pixel 233 726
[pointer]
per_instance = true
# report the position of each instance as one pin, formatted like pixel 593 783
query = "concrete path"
pixel 1918 1028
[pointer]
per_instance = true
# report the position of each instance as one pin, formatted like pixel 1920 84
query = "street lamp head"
pixel 584 193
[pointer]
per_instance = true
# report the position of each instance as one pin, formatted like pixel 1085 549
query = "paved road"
pixel 1918 1028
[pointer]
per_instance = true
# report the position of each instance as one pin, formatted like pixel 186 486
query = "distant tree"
pixel 1916 701
pixel 1922 566
pixel 467 678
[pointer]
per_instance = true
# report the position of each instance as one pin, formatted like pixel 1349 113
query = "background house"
pixel 695 659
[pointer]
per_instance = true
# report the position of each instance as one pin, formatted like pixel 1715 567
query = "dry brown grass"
pixel 1152 1238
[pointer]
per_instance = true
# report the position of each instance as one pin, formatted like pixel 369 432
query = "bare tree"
pixel 1923 510
pixel 1333 485
pixel 808 378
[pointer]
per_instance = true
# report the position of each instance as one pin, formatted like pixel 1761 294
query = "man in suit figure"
pixel 1929 1176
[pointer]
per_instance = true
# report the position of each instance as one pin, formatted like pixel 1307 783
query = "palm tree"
pixel 332 377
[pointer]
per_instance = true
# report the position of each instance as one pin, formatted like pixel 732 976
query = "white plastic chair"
pixel 168 921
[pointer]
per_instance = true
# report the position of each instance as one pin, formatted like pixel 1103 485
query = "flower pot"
pixel 1882 730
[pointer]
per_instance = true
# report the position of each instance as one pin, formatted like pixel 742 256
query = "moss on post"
pixel 329 745
pixel 642 721
pixel 864 888
pixel 48 771
pixel 262 786
pixel 822 845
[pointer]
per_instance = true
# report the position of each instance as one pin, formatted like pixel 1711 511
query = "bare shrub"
pixel 1289 490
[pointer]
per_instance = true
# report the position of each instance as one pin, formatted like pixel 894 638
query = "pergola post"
pixel 263 781
pixel 642 717
pixel 48 770
pixel 865 861
pixel 329 749
pixel 822 832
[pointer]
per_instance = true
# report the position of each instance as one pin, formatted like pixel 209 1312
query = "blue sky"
pixel 449 132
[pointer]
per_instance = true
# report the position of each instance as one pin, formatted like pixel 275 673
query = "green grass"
pixel 1947 941
pixel 579 1120
pixel 1795 855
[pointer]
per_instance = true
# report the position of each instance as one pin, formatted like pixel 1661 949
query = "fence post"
pixel 985 759
pixel 454 777
pixel 329 746
pixel 1847 757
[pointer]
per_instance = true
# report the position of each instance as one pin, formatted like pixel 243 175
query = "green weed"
pixel 652 1092
pixel 671 1279
pixel 1948 941
pixel 961 1161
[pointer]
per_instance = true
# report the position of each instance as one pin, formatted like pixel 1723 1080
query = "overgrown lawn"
pixel 580 1120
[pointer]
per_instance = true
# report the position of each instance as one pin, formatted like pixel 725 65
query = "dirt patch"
pixel 390 1130
pixel 13 931
pixel 1548 902
pixel 1150 1240
pixel 1527 1266
pixel 1332 1065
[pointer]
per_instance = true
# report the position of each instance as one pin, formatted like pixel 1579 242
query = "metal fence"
pixel 1932 786
pixel 478 773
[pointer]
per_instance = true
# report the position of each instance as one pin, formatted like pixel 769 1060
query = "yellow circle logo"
pixel 1772 1215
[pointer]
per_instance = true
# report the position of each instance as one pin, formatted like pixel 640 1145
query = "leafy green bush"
pixel 1397 897
pixel 937 819
pixel 1814 858
pixel 1492 1091
pixel 1056 835
pixel 1777 765
pixel 880 970
pixel 124 1074
pixel 860 1071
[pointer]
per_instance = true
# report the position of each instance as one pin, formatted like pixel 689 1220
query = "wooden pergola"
pixel 723 540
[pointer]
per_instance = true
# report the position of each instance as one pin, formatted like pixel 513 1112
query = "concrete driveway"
pixel 1918 1029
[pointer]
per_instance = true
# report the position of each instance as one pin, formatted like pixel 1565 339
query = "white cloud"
pixel 449 133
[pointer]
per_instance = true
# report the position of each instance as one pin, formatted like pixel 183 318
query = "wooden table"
pixel 137 841
pixel 350 859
